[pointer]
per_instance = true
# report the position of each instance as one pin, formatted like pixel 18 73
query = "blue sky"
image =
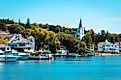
pixel 95 14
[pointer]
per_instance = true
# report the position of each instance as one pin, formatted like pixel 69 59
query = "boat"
pixel 61 52
pixel 45 55
pixel 7 56
pixel 34 57
pixel 24 56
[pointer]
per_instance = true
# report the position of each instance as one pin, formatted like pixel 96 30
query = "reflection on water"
pixel 1 63
pixel 84 68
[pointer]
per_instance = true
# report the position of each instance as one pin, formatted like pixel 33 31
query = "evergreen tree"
pixel 28 23
pixel 19 21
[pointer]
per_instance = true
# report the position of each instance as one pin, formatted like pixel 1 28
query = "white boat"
pixel 62 51
pixel 24 56
pixel 7 56
pixel 45 55
pixel 15 52
pixel 33 57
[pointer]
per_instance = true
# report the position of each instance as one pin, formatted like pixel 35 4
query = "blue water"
pixel 86 68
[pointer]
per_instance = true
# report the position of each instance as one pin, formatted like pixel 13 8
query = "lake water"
pixel 85 68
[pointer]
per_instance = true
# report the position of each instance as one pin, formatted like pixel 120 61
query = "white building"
pixel 80 31
pixel 119 44
pixel 62 51
pixel 107 47
pixel 17 41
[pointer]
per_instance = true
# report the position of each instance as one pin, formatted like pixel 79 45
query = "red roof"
pixel 118 42
pixel 23 40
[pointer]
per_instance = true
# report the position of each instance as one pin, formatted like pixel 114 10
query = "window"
pixel 1 53
pixel 107 45
pixel 7 48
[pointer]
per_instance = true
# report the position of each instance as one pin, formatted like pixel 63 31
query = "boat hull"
pixel 8 59
pixel 34 57
pixel 24 57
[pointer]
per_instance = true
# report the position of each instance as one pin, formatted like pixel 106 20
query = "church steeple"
pixel 80 23
pixel 80 30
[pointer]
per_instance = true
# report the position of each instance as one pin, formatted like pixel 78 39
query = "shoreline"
pixel 107 54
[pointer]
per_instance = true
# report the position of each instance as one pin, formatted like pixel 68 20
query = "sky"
pixel 95 14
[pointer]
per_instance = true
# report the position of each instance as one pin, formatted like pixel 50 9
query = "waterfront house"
pixel 27 44
pixel 107 47
pixel 119 44
pixel 17 41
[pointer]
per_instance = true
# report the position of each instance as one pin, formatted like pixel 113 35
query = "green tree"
pixel 73 44
pixel 16 28
pixel 43 38
pixel 87 39
pixel 3 41
pixel 28 23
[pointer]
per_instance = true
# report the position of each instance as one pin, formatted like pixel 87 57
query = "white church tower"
pixel 80 30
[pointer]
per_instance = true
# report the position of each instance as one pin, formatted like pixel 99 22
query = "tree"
pixel 87 39
pixel 16 28
pixel 28 23
pixel 2 41
pixel 67 31
pixel 19 21
pixel 73 44
pixel 103 32
pixel 44 39
pixel 2 27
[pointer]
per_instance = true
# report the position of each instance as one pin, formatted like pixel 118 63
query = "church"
pixel 80 30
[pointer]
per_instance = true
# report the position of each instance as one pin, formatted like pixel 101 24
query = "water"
pixel 86 68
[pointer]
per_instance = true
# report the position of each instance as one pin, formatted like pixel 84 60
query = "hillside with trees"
pixel 53 36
